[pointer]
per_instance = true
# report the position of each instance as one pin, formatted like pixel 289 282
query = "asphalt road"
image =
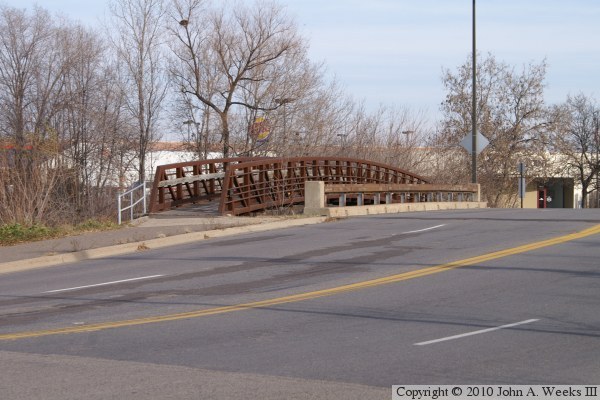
pixel 339 310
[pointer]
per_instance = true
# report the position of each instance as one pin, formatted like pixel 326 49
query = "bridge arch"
pixel 245 185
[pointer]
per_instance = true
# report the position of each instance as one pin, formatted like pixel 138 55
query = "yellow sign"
pixel 260 129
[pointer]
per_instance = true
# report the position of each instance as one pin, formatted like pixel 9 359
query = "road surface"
pixel 344 309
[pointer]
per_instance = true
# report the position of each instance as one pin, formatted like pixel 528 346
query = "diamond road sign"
pixel 482 142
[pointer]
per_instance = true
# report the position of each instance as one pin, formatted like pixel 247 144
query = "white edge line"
pixel 426 229
pixel 476 332
pixel 104 284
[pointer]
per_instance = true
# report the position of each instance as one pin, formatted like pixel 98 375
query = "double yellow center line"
pixel 308 295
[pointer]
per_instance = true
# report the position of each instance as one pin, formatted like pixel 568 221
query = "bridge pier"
pixel 314 195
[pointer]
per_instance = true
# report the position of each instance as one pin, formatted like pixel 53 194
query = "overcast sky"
pixel 394 51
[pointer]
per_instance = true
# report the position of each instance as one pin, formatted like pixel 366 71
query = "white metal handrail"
pixel 132 204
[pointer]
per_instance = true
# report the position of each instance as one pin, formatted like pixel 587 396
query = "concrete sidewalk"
pixel 145 233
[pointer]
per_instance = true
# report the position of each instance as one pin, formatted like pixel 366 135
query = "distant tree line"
pixel 552 140
pixel 81 106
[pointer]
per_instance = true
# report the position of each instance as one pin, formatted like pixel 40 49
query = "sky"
pixel 393 52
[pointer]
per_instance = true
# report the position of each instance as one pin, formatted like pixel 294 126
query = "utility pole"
pixel 283 102
pixel 474 109
pixel 597 164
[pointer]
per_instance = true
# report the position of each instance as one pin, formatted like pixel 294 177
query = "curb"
pixel 90 254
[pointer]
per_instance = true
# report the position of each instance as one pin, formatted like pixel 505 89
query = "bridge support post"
pixel 342 201
pixel 314 198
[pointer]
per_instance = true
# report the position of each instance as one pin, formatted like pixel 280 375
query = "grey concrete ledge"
pixel 336 212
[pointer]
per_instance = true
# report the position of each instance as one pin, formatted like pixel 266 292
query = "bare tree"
pixel 24 42
pixel 244 56
pixel 578 141
pixel 31 82
pixel 137 38
pixel 325 121
pixel 61 123
pixel 94 128
pixel 404 133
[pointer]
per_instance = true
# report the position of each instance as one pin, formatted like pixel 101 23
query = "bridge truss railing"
pixel 275 183
pixel 189 182
pixel 362 194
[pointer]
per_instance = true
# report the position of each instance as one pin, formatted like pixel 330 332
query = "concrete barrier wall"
pixel 392 208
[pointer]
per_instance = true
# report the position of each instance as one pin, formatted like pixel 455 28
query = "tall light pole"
pixel 407 133
pixel 189 123
pixel 283 102
pixel 597 163
pixel 343 137
pixel 474 109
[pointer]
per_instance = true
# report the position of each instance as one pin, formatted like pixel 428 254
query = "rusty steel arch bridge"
pixel 246 185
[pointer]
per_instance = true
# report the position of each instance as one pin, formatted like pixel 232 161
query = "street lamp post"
pixel 343 137
pixel 283 102
pixel 197 140
pixel 407 133
pixel 189 123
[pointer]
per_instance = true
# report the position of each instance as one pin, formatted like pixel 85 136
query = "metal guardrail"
pixel 401 193
pixel 130 195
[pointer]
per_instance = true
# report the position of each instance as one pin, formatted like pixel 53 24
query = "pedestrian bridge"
pixel 246 185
